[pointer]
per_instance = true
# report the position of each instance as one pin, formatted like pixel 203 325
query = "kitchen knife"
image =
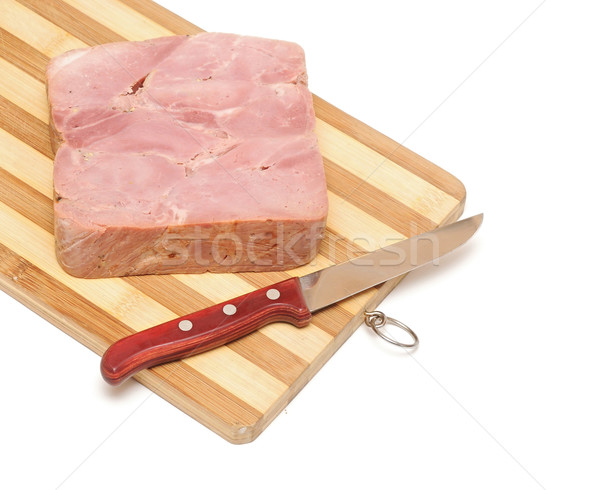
pixel 292 301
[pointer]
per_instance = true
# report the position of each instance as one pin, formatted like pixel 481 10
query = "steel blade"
pixel 334 283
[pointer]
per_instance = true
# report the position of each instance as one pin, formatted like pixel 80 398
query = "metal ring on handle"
pixel 377 319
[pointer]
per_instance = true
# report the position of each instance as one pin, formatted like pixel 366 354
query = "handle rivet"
pixel 185 325
pixel 273 294
pixel 229 309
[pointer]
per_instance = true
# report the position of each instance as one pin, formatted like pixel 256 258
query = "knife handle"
pixel 205 329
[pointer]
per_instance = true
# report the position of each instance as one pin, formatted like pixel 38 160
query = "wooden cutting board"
pixel 379 191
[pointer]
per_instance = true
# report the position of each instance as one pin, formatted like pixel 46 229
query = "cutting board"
pixel 379 192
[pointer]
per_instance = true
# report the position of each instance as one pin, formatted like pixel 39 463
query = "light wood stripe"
pixel 120 18
pixel 358 226
pixel 23 90
pixel 318 263
pixel 232 372
pixel 216 287
pixel 36 173
pixel 36 31
pixel 260 280
pixel 81 26
pixel 306 342
pixel 169 292
pixel 280 362
pixel 382 173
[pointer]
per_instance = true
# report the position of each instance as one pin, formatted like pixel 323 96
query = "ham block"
pixel 185 154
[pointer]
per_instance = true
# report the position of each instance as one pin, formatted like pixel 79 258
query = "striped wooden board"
pixel 379 191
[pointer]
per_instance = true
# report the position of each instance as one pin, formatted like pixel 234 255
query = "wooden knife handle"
pixel 205 329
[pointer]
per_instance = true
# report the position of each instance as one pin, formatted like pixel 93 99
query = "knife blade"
pixel 292 301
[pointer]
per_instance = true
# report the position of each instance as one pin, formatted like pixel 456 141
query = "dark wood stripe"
pixel 163 16
pixel 73 21
pixel 332 319
pixel 389 148
pixel 21 54
pixel 179 383
pixel 395 214
pixel 338 248
pixel 28 128
pixel 271 357
pixel 26 200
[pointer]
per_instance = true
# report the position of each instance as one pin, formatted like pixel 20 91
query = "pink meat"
pixel 185 154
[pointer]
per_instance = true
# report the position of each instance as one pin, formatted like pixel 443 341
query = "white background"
pixel 503 391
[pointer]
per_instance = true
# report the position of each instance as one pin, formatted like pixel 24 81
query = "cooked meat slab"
pixel 185 154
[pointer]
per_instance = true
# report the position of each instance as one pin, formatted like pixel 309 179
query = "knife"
pixel 292 301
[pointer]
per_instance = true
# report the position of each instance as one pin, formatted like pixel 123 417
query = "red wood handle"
pixel 205 329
